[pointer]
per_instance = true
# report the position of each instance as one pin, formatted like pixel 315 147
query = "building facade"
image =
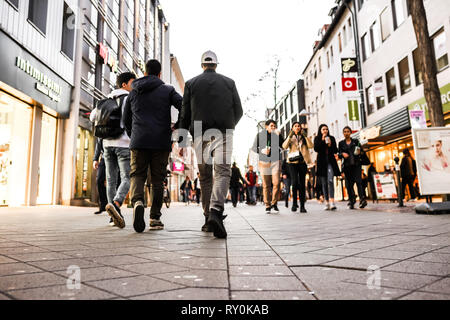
pixel 36 81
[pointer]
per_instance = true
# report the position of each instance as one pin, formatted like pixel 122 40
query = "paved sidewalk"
pixel 318 255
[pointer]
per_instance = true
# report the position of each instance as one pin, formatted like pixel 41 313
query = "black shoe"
pixel 205 227
pixel 268 210
pixel 99 211
pixel 275 208
pixel 303 209
pixel 363 204
pixel 294 208
pixel 287 204
pixel 138 217
pixel 116 215
pixel 215 223
pixel 235 205
pixel 351 206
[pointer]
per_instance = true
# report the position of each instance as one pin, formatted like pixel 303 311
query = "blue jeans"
pixel 252 193
pixel 328 184
pixel 117 160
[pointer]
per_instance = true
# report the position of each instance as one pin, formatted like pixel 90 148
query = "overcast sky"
pixel 246 35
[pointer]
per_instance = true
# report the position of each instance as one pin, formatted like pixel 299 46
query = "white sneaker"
pixel 333 207
pixel 327 207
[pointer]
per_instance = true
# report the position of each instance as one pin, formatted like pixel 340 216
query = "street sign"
pixel 349 65
pixel 353 111
pixel 349 84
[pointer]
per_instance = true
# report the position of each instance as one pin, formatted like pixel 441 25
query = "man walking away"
pixel 116 145
pixel 235 186
pixel 252 180
pixel 350 151
pixel 99 165
pixel 186 188
pixel 214 100
pixel 197 188
pixel 148 122
pixel 408 172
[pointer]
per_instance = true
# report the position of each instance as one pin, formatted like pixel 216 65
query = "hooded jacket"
pixel 147 114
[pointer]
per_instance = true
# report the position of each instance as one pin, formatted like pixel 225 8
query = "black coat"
pixel 408 167
pixel 352 160
pixel 212 99
pixel 323 159
pixel 236 176
pixel 147 114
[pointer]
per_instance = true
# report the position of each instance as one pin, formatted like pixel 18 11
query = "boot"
pixel 215 223
pixel 302 208
pixel 205 227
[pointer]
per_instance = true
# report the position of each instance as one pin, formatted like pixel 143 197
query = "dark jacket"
pixel 325 156
pixel 252 178
pixel 235 177
pixel 408 167
pixel 352 160
pixel 212 99
pixel 147 114
pixel 98 149
pixel 186 185
pixel 285 169
pixel 264 139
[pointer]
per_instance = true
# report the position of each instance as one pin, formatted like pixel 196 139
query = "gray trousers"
pixel 214 164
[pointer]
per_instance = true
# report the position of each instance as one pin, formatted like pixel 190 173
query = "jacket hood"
pixel 117 92
pixel 148 83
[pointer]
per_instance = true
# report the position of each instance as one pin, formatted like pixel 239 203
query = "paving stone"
pixel 41 256
pixel 187 294
pixel 118 260
pixel 197 278
pixel 265 283
pixel 4 259
pixel 3 297
pixel 100 273
pixel 209 253
pixel 317 277
pixel 254 261
pixel 61 293
pixel 428 268
pixel 433 257
pixel 127 287
pixel 419 295
pixel 256 253
pixel 7 269
pixel 387 254
pixel 31 280
pixel 163 256
pixel 273 295
pixel 62 265
pixel 441 286
pixel 295 249
pixel 307 258
pixel 339 251
pixel 260 271
pixel 360 263
pixel 21 250
pixel 151 268
pixel 201 263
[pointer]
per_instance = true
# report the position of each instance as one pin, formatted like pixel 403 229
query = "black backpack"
pixel 107 123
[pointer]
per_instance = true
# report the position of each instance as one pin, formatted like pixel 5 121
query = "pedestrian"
pixel 148 122
pixel 408 172
pixel 197 188
pixel 286 182
pixel 235 186
pixel 213 100
pixel 370 172
pixel 116 146
pixel 186 188
pixel 350 151
pixel 99 165
pixel 327 167
pixel 298 144
pixel 252 181
pixel 268 146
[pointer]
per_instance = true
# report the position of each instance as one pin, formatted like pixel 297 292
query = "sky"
pixel 248 37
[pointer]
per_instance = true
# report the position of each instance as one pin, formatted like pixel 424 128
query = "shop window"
pixel 68 32
pixel 375 35
pixel 386 24
pixel 440 50
pixel 47 159
pixel 417 67
pixel 379 93
pixel 370 100
pixel 14 3
pixel 405 79
pixel 37 14
pixel 391 85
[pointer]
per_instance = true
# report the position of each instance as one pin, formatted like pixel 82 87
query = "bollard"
pixel 399 184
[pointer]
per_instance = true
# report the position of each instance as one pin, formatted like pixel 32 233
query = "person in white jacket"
pixel 117 156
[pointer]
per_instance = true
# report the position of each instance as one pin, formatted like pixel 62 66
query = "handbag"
pixel 296 156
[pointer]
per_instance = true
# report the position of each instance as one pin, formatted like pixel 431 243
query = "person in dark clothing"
pixel 317 186
pixel 286 181
pixel 370 172
pixel 212 100
pixel 236 176
pixel 252 181
pixel 99 165
pixel 350 151
pixel 186 188
pixel 408 172
pixel 327 167
pixel 147 117
pixel 197 188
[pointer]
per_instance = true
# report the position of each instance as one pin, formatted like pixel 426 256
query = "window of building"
pixel 322 99
pixel 291 101
pixel 405 79
pixel 68 32
pixel 330 95
pixel 440 50
pixel 350 31
pixel 332 54
pixel 391 85
pixel 317 104
pixel 315 71
pixel 386 24
pixel 37 14
pixel 334 91
pixel 328 59
pixel 370 100
pixel 398 12
pixel 375 36
pixel 417 67
pixel 320 64
pixel 14 3
pixel 344 35
pixel 340 42
pixel 360 4
pixel 365 41
pixel 379 93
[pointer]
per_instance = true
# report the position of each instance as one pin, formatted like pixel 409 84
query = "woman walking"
pixel 327 167
pixel 298 145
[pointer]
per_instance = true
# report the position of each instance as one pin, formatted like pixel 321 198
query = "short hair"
pixel 124 78
pixel 153 67
pixel 269 122
pixel 209 65
pixel 347 127
pixel 406 152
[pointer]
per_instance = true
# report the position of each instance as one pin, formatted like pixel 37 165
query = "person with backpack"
pixel 252 179
pixel 408 172
pixel 350 152
pixel 148 122
pixel 108 118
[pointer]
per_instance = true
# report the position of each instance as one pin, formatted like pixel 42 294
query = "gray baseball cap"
pixel 209 57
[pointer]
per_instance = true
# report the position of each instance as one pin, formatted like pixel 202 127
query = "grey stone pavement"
pixel 314 256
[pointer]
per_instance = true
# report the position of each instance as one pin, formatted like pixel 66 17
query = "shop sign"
pixel 353 111
pixel 107 57
pixel 385 186
pixel 371 133
pixel 349 65
pixel 422 104
pixel 178 167
pixel 418 119
pixel 44 84
pixel 349 84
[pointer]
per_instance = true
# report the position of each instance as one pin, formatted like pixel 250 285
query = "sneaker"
pixel 138 217
pixel 333 207
pixel 116 215
pixel 303 209
pixel 294 208
pixel 111 223
pixel 363 204
pixel 268 210
pixel 327 207
pixel 156 224
pixel 275 208
pixel 215 223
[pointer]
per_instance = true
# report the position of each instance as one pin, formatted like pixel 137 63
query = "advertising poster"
pixel 385 185
pixel 432 149
pixel 418 119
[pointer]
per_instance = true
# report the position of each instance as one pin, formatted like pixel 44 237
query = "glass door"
pixel 47 159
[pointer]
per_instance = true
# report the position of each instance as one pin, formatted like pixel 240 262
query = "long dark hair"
pixel 319 133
